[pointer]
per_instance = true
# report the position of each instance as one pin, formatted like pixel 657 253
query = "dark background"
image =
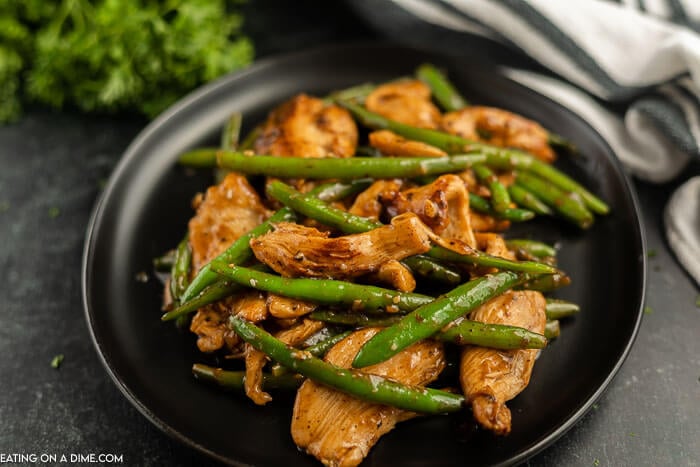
pixel 52 167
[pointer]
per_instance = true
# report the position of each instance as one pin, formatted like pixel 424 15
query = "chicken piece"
pixel 492 377
pixel 210 323
pixel 285 307
pixel 294 250
pixel 397 276
pixel 255 360
pixel 306 127
pixel 500 128
pixel 485 223
pixel 224 213
pixel 391 144
pixel 405 101
pixel 227 211
pixel 493 244
pixel 298 333
pixel 339 429
pixel 367 203
pixel 442 205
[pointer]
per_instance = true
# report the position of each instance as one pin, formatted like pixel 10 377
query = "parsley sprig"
pixel 114 55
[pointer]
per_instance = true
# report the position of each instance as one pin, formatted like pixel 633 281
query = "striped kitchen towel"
pixel 630 68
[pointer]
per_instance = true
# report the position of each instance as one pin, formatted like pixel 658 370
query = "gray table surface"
pixel 52 166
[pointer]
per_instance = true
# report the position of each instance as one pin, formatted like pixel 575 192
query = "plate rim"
pixel 258 66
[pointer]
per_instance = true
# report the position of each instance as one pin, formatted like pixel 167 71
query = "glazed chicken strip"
pixel 500 128
pixel 391 144
pixel 293 250
pixel 442 205
pixel 306 127
pixel 338 429
pixel 405 101
pixel 368 203
pixel 491 377
pixel 209 323
pixel 227 211
pixel 256 360
pixel 285 307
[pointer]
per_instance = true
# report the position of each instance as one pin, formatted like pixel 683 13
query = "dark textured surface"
pixel 52 167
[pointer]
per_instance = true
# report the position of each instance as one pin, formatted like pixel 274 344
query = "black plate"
pixel 145 208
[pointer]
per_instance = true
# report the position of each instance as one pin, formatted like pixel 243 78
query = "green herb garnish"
pixel 101 55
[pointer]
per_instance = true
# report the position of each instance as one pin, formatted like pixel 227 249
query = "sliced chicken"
pixel 256 360
pixel 305 126
pixel 500 128
pixel 485 223
pixel 391 144
pixel 227 211
pixel 293 250
pixel 396 275
pixel 491 377
pixel 493 244
pixel 442 205
pixel 285 307
pixel 338 429
pixel 368 203
pixel 405 101
pixel 210 323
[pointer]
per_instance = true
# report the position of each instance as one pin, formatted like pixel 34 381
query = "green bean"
pixel 481 205
pixel 355 93
pixel 430 268
pixel 249 140
pixel 231 133
pixel 321 348
pixel 198 159
pixel 524 198
pixel 350 223
pixel 495 336
pixel 430 318
pixel 508 160
pixel 180 271
pixel 464 332
pixel 372 388
pixel 499 158
pixel 235 380
pixel 559 141
pixel 344 169
pixel 443 91
pixel 547 283
pixel 568 205
pixel 478 258
pixel 552 329
pixel 500 199
pixel 210 294
pixel 533 247
pixel 368 151
pixel 323 291
pixel 239 252
pixel 164 262
pixel 557 309
pixel 354 318
pixel 230 136
pixel 317 350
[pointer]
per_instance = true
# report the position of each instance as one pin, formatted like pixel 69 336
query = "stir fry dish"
pixel 355 249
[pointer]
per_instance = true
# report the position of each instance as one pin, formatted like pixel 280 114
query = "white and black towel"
pixel 630 68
